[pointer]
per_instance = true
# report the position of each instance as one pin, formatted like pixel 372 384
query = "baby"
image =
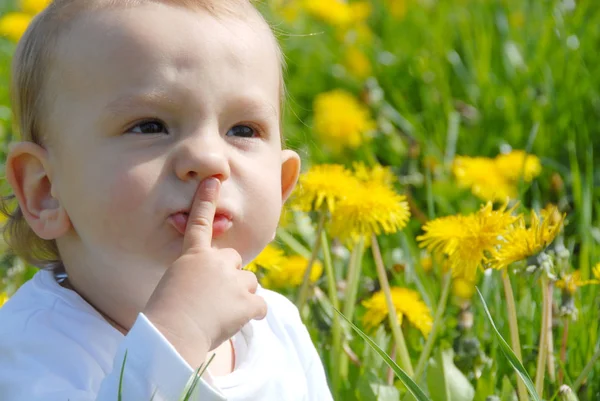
pixel 151 171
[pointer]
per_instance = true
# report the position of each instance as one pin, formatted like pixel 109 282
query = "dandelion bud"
pixel 556 183
pixel 566 394
pixel 567 305
pixel 542 257
pixel 546 263
pixel 531 269
pixel 561 251
pixel 465 317
pixel 469 113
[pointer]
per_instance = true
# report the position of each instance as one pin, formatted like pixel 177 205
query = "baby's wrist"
pixel 192 344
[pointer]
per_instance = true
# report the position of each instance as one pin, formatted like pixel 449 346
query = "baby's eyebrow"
pixel 128 103
pixel 132 101
pixel 252 105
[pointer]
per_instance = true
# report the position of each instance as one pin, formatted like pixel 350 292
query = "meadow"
pixel 449 147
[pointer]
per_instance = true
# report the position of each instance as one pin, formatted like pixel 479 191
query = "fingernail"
pixel 211 183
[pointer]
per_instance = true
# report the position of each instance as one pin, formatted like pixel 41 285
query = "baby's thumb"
pixel 198 233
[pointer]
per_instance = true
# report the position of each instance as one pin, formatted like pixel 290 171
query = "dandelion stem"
pixel 543 343
pixel 336 328
pixel 353 278
pixel 437 322
pixel 390 374
pixel 550 360
pixel 401 348
pixel 352 282
pixel 293 243
pixel 511 310
pixel 563 349
pixel 303 294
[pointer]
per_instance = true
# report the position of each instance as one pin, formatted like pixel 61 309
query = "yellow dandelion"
pixel 596 271
pixel 517 162
pixel 291 273
pixel 334 12
pixel 341 121
pixel 357 63
pixel 571 282
pixel 379 174
pixel 463 288
pixel 289 11
pixel 286 218
pixel 407 304
pixel 553 222
pixel 14 25
pixel 466 240
pixel 397 8
pixel 3 298
pixel 360 11
pixel 520 242
pixel 338 13
pixel 426 263
pixel 496 179
pixel 323 184
pixel 482 176
pixel 372 208
pixel 271 258
pixel 34 6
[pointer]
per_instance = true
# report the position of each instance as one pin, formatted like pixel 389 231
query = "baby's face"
pixel 151 101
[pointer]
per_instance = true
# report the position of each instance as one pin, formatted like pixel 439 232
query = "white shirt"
pixel 55 347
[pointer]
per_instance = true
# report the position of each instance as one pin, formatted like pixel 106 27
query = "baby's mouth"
pixel 221 223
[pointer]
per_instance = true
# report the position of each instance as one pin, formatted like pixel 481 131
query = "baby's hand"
pixel 205 297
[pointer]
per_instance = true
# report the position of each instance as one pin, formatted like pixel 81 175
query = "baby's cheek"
pixel 263 216
pixel 127 193
pixel 126 211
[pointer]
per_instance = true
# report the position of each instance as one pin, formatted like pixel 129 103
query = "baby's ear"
pixel 27 171
pixel 290 169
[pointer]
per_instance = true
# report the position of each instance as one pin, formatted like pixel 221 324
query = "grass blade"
pixel 510 355
pixel 193 383
pixel 120 394
pixel 411 386
pixel 586 370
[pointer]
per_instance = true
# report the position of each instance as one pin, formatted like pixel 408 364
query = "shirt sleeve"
pixel 152 370
pixel 151 367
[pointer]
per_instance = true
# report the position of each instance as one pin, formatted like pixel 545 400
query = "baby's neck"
pixel 65 283
pixel 224 360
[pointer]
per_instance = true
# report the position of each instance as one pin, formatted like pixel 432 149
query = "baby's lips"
pixel 221 223
pixel 179 221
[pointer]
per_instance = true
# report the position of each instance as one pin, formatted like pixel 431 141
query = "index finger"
pixel 199 229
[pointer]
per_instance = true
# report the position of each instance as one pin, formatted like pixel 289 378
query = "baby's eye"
pixel 148 128
pixel 242 131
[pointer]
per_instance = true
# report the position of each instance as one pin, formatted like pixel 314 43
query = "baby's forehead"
pixel 154 46
pixel 156 31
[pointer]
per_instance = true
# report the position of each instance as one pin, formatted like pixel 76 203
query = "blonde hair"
pixel 33 58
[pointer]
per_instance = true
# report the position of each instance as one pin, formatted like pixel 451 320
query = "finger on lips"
pixel 202 213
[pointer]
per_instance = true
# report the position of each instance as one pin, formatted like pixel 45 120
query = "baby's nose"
pixel 197 161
